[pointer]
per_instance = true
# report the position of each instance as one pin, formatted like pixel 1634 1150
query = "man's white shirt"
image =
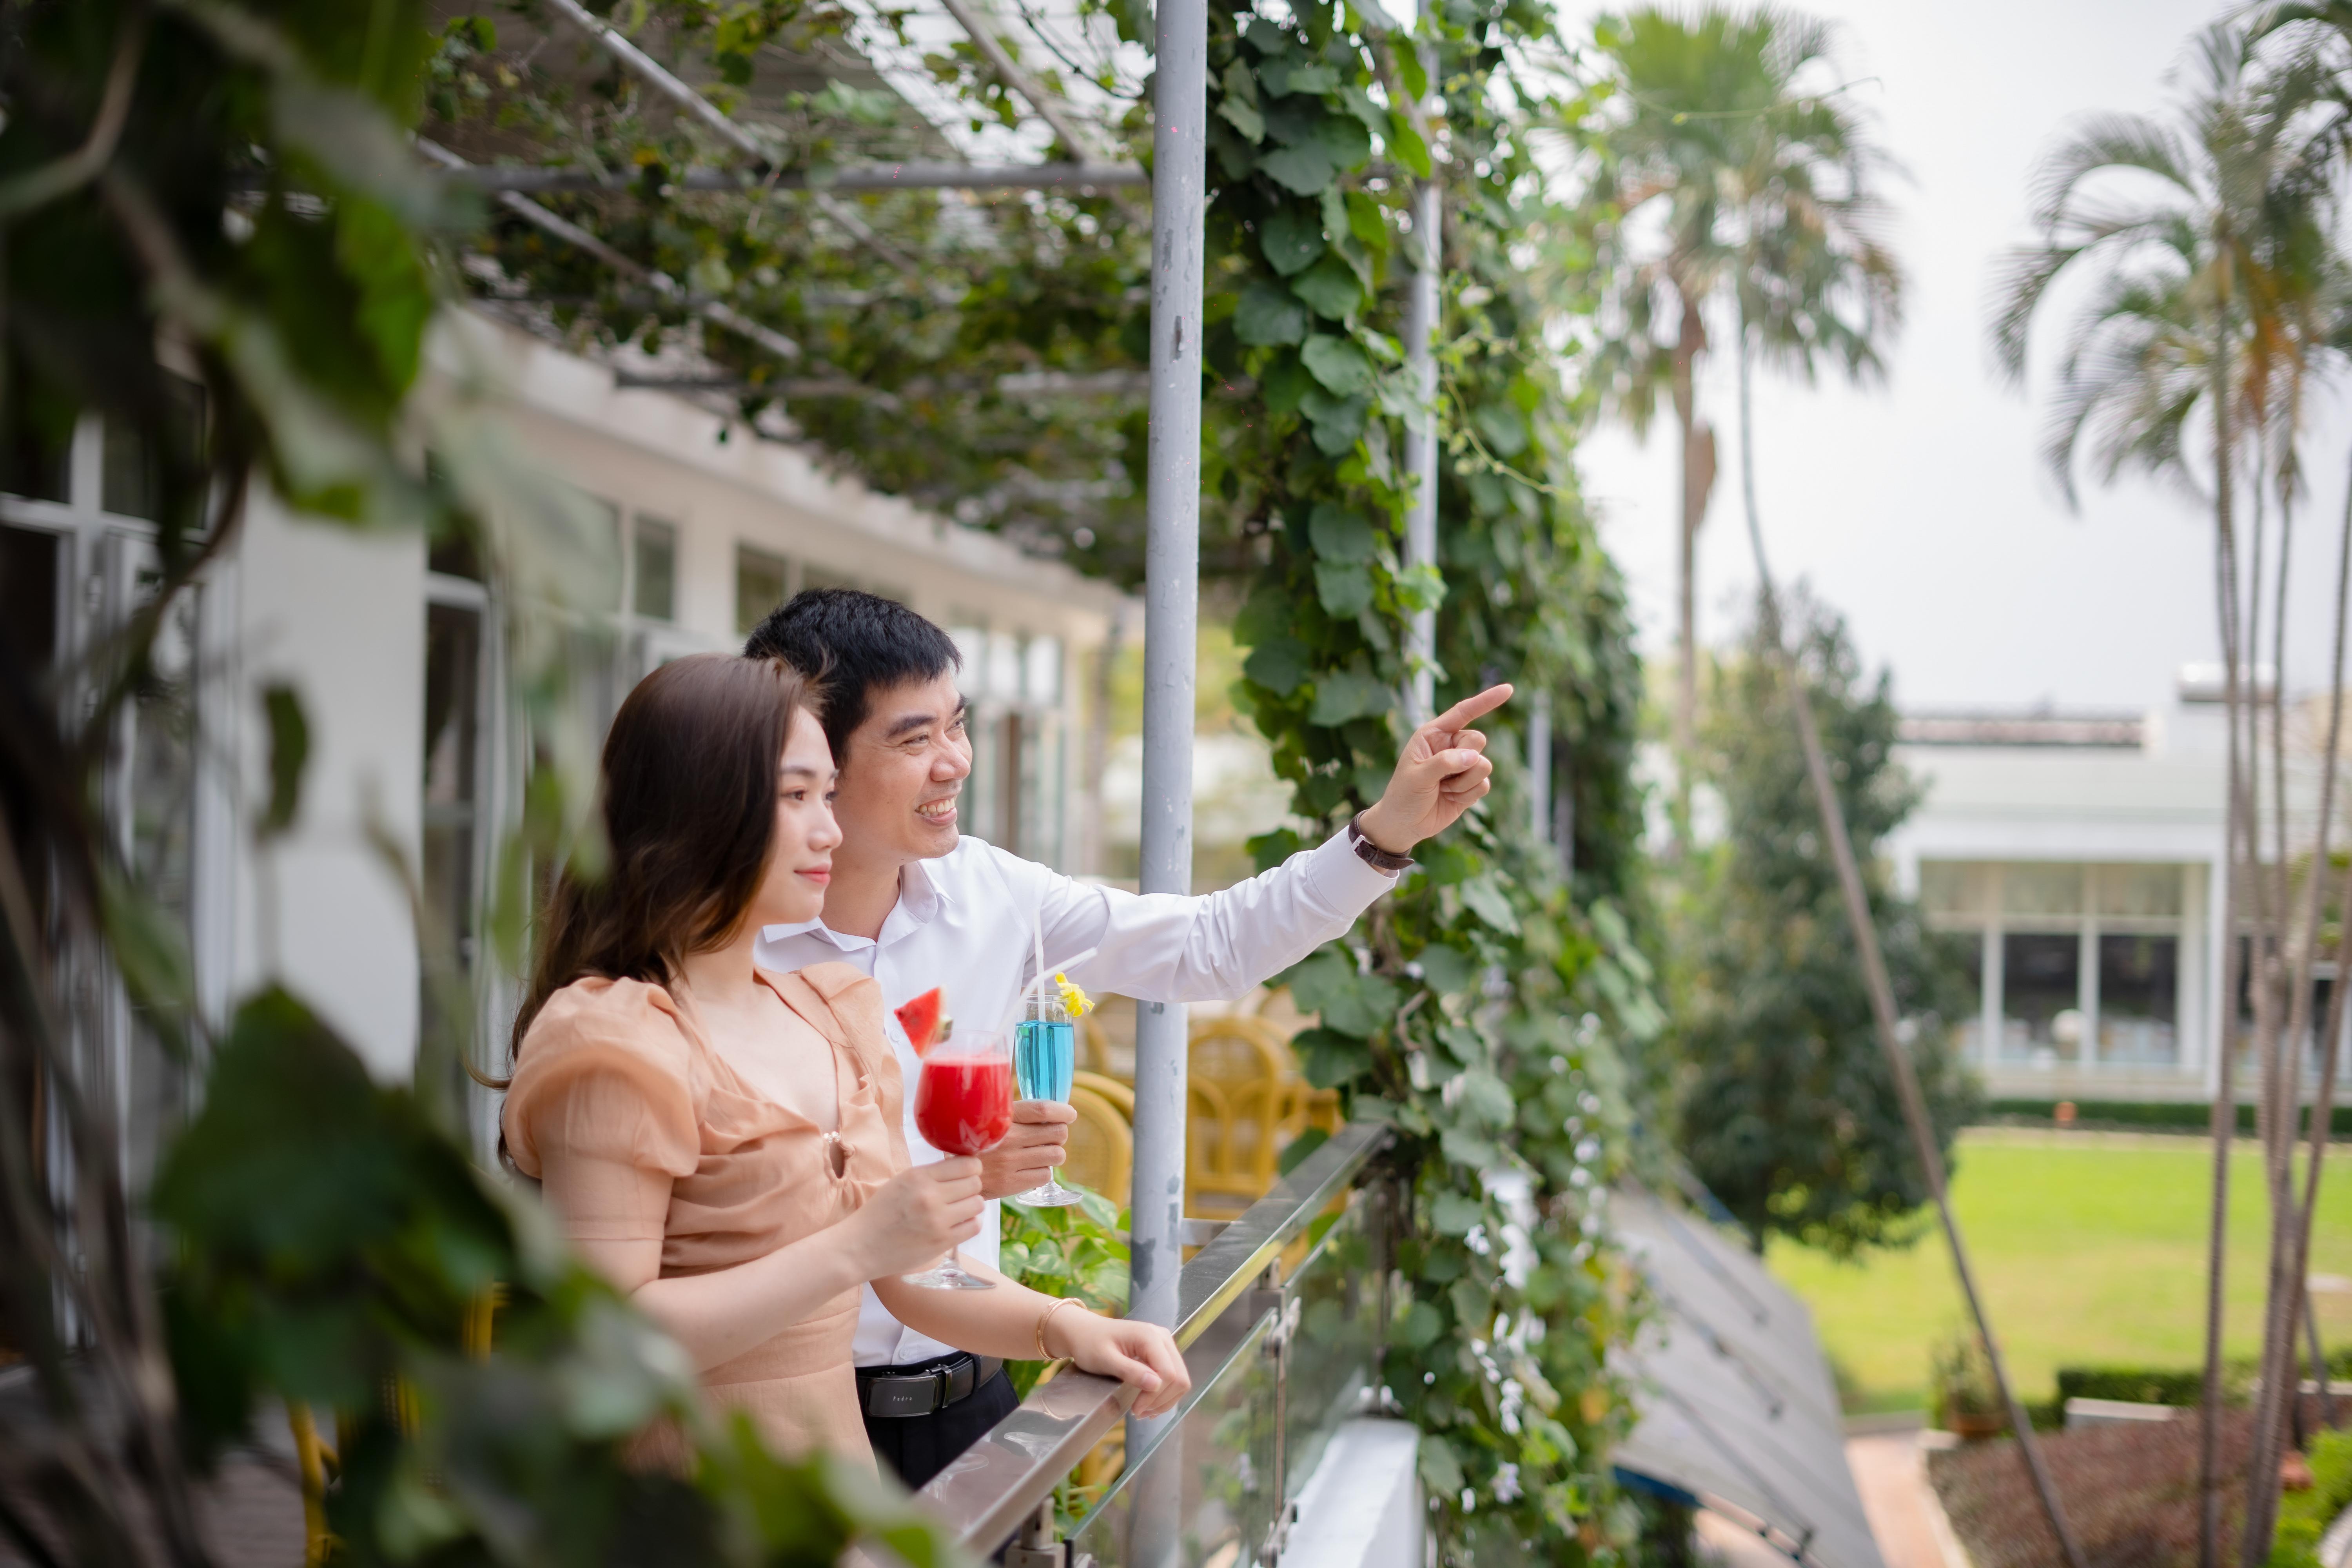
pixel 967 922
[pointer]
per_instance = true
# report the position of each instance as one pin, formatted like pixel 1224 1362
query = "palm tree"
pixel 2213 288
pixel 1729 159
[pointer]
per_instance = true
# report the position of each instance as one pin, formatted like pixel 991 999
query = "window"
pixel 653 570
pixel 762 582
pixel 2076 965
pixel 77 562
pixel 2042 990
pixel 1013 682
pixel 2139 991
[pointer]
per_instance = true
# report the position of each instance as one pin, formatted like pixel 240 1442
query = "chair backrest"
pixel 1242 1104
pixel 1102 1140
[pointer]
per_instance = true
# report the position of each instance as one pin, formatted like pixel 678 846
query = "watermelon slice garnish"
pixel 921 1019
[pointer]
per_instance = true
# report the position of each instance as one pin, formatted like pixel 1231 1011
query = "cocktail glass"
pixel 963 1105
pixel 1045 1053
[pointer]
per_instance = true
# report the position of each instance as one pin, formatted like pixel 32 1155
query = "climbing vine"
pixel 1482 1011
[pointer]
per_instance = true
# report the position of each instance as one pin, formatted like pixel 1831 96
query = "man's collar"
pixel 920 898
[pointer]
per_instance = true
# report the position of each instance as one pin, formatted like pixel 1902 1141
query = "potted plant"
pixel 1968 1400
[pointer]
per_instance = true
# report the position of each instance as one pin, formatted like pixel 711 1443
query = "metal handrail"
pixel 997 1484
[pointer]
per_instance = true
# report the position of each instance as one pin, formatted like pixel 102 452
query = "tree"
pixel 1731 161
pixel 1786 1107
pixel 2215 289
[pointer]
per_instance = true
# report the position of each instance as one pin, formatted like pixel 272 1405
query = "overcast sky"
pixel 1920 508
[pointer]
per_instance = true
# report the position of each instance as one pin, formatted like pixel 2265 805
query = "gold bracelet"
pixel 1046 1316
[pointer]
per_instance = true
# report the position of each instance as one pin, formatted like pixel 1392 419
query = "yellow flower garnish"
pixel 1075 1001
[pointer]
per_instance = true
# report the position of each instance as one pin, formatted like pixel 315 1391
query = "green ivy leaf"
pixel 1330 1059
pixel 1338 363
pixel 1368 221
pixel 1448 970
pixel 1345 589
pixel 1420 1325
pixel 1341 535
pixel 1330 286
pixel 1339 422
pixel 1290 240
pixel 1420 586
pixel 1485 898
pixel 1268 316
pixel 1505 428
pixel 1242 117
pixel 1281 78
pixel 1406 146
pixel 1280 665
pixel 1411 70
pixel 1302 169
pixel 1454 1214
pixel 1441 1472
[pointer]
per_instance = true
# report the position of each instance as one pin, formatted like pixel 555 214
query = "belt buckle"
pixel 944 1394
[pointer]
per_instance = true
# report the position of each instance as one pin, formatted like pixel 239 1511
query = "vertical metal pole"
pixel 1172 594
pixel 1421 445
pixel 1540 766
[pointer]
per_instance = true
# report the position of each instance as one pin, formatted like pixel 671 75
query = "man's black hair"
pixel 855 643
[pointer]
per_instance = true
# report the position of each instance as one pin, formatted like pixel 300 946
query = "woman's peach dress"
pixel 638 1129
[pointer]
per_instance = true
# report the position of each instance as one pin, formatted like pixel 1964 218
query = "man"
pixel 915 905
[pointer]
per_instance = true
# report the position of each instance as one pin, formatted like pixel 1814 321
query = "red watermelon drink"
pixel 963 1105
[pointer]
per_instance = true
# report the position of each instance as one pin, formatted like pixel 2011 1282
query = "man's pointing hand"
pixel 1442 772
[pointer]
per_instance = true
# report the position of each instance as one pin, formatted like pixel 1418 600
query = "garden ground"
pixel 2090 1248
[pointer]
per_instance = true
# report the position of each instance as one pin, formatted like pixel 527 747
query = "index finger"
pixel 1470 707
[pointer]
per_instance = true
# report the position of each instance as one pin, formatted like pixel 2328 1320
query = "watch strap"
pixel 1371 853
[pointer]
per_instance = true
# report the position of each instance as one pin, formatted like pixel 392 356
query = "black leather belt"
pixel 890 1391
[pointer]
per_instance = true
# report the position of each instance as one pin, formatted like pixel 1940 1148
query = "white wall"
pixel 338 616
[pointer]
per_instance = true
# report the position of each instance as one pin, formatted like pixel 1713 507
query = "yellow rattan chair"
pixel 1102 1140
pixel 1243 1112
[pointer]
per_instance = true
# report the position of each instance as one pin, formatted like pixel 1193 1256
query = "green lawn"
pixel 2090 1249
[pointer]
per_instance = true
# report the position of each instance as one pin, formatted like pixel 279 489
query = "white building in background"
pixel 395 656
pixel 2084 854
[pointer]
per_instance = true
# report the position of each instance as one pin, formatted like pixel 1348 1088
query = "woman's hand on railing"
pixel 1143 1356
pixel 914 1218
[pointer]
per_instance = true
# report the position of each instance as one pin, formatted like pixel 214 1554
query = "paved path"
pixel 1891 1473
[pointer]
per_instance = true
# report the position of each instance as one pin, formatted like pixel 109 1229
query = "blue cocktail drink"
pixel 1045 1054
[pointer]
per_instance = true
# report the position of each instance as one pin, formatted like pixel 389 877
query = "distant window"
pixel 2139 990
pixel 453 732
pixel 654 568
pixel 37 449
pixel 761 582
pixel 2042 996
pixel 28 596
pixel 2038 889
pixel 2143 891
pixel 134 474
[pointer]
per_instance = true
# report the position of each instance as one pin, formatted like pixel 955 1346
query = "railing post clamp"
pixel 1039 1544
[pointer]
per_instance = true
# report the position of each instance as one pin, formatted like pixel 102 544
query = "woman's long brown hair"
pixel 689 797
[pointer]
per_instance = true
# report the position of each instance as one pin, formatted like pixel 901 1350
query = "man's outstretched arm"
pixel 1166 947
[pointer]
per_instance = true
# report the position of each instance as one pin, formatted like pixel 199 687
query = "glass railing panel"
pixel 1333 1343
pixel 1211 1482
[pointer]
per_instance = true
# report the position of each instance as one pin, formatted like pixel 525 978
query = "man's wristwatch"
pixel 1371 853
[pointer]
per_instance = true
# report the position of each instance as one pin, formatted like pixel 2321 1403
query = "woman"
pixel 724 1141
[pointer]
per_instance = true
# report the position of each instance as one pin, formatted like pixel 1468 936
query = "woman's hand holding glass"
pixel 916 1216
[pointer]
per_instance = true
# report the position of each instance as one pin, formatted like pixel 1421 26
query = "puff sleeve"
pixel 604 1110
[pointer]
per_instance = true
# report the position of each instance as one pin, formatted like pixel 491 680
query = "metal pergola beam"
pixel 662 283
pixel 849 177
pixel 993 50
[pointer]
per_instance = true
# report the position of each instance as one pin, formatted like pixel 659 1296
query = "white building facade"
pixel 2083 857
